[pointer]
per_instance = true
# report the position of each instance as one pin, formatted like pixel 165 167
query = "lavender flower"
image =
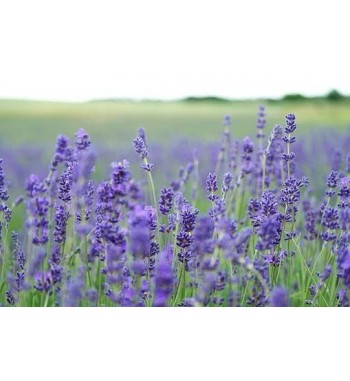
pixel 279 297
pixel 62 151
pixel 188 218
pixel 212 184
pixel 332 180
pixel 343 300
pixel 18 253
pixel 140 147
pixel 218 211
pixel 290 124
pixel 61 218
pixel 227 182
pixel 75 289
pixel 43 281
pixel 10 298
pixel 120 178
pixel 343 263
pixel 310 225
pixel 166 200
pixel 330 220
pixel 163 279
pixel 82 140
pixel 326 273
pixel 291 191
pixel 142 134
pixel 261 122
pixel 226 121
pixel 66 184
pixel 247 148
pixel 3 189
pixel 147 166
pixel 269 233
pixel 38 206
pixel 290 127
pixel 184 239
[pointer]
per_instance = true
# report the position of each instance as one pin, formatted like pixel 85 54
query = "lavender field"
pixel 252 212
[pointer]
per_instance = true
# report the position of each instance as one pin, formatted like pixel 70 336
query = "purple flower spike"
pixel 343 263
pixel 163 279
pixel 261 122
pixel 82 140
pixel 43 281
pixel 332 180
pixel 247 148
pixel 61 218
pixel 212 183
pixel 166 200
pixel 212 186
pixel 147 167
pixel 226 122
pixel 290 124
pixel 3 190
pixel 63 151
pixel 140 147
pixel 279 297
pixel 120 178
pixel 227 182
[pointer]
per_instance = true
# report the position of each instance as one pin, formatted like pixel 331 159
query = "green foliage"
pixel 207 99
pixel 334 95
pixel 294 97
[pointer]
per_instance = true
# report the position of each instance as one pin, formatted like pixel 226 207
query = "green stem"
pixel 179 284
pixel 307 267
pixel 288 152
pixel 263 172
pixel 46 299
pixel 152 188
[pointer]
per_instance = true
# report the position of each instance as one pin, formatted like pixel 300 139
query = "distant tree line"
pixel 333 95
pixel 206 99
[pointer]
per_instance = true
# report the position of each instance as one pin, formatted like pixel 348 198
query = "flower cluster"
pixel 244 229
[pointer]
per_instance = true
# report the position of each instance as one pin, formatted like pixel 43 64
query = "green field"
pixel 115 123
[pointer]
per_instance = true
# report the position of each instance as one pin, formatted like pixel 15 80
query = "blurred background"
pixel 173 67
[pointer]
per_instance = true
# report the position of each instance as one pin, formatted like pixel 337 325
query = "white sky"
pixel 81 50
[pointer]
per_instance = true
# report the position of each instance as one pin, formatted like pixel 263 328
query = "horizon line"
pixel 190 98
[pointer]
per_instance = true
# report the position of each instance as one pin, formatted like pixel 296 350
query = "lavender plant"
pixel 244 229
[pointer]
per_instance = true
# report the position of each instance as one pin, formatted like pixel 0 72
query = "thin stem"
pixel 152 187
pixel 263 172
pixel 4 251
pixel 288 152
pixel 180 282
pixel 46 299
pixel 307 267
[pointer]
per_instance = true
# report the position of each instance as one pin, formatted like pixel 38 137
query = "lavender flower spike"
pixel 279 297
pixel 163 279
